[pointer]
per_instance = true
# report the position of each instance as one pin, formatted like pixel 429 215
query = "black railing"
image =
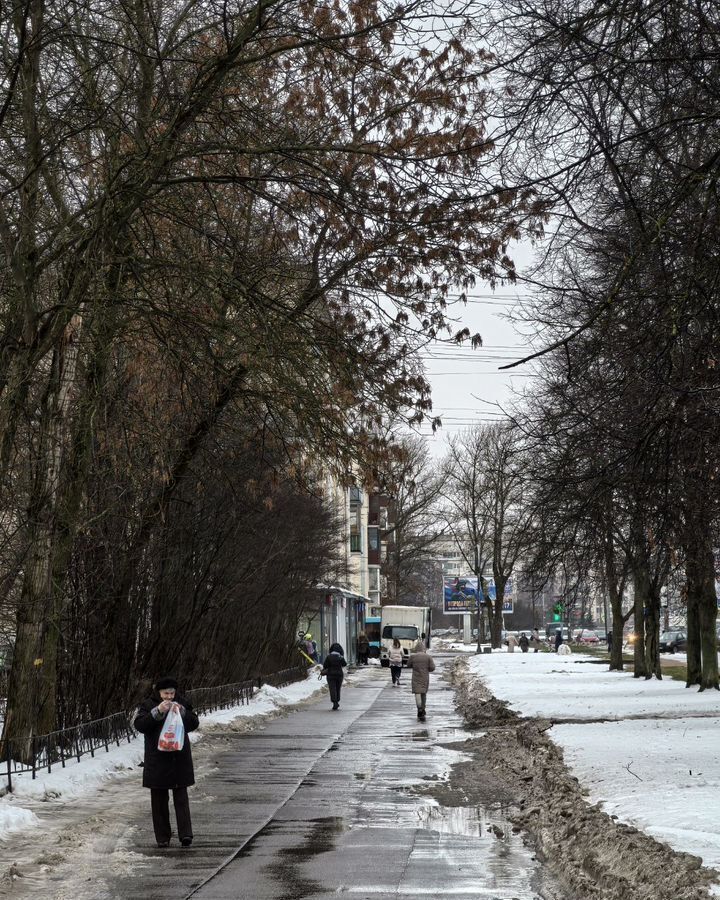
pixel 286 676
pixel 221 696
pixel 55 749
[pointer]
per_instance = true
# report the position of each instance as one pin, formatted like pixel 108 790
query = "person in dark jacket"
pixel 167 770
pixel 363 648
pixel 558 639
pixel 333 669
pixel 524 642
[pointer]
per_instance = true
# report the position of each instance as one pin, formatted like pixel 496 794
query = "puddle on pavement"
pixel 455 735
pixel 454 820
pixel 445 735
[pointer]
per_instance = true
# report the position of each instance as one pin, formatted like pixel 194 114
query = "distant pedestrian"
pixel 422 665
pixel 333 669
pixel 395 658
pixel 311 647
pixel 524 642
pixel 512 643
pixel 535 640
pixel 167 770
pixel 558 639
pixel 363 648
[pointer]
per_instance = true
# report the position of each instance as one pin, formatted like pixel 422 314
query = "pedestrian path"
pixel 316 804
pixel 357 826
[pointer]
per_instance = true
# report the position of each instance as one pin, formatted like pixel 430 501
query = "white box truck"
pixel 406 623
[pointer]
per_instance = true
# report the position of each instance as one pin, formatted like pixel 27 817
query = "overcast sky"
pixel 467 386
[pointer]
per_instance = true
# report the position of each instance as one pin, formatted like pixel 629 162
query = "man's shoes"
pixel 336 706
pixel 163 843
pixel 186 841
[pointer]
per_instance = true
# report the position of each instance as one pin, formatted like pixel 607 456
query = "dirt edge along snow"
pixel 593 856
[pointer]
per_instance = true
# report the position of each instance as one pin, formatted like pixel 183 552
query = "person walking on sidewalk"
pixel 333 669
pixel 167 770
pixel 395 658
pixel 422 665
pixel 363 648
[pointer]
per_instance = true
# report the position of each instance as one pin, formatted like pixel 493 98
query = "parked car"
pixel 670 641
pixel 587 636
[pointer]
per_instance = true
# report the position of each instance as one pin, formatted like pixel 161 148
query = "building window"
pixel 355 494
pixel 373 537
pixel 355 543
pixel 374 579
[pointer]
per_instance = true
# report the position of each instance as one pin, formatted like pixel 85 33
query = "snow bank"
pixel 651 759
pixel 16 818
pixel 80 778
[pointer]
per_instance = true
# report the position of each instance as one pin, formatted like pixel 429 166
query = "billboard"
pixel 460 594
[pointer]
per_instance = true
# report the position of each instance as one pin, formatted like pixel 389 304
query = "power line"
pixel 496 373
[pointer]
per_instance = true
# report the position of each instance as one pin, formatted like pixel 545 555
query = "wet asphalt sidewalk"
pixel 318 804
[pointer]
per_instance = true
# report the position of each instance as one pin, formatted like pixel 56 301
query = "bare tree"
pixel 487 492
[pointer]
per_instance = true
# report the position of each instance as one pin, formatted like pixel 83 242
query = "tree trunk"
pixel 497 619
pixel 652 635
pixel 611 579
pixel 33 676
pixel 482 594
pixel 693 672
pixel 702 665
pixel 641 583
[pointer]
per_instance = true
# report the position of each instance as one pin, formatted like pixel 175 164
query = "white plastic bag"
pixel 172 734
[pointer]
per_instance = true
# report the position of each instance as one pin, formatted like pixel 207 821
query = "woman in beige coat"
pixel 422 664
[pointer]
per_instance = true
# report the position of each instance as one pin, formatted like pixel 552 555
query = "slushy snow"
pixel 81 778
pixel 647 751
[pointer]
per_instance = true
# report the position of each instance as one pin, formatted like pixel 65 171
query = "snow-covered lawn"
pixel 80 778
pixel 655 764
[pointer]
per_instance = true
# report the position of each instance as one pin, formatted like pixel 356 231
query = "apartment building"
pixel 365 517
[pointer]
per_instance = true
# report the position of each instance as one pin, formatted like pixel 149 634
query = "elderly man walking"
pixel 422 664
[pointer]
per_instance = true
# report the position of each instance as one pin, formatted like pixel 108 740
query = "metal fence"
pixel 221 696
pixel 55 749
pixel 286 676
